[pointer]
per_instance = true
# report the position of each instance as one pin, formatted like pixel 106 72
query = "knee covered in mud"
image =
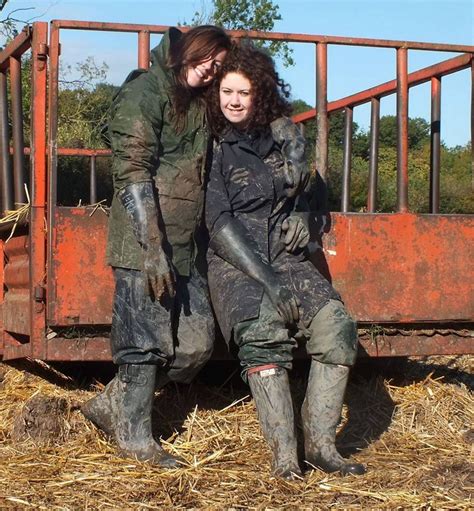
pixel 333 335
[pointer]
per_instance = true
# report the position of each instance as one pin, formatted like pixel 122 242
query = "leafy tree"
pixel 418 132
pixel 456 186
pixel 360 139
pixel 248 15
pixel 82 110
pixel 456 181
pixel 9 26
pixel 83 104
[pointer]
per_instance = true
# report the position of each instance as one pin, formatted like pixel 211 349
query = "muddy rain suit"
pixel 174 334
pixel 247 183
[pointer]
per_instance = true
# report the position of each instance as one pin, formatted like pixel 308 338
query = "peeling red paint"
pixel 403 267
pixel 80 282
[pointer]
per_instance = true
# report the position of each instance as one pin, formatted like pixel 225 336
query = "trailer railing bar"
pixel 273 36
pixel 5 161
pixel 74 151
pixel 322 122
pixel 93 181
pixel 53 95
pixel 385 89
pixel 374 154
pixel 15 48
pixel 144 49
pixel 402 130
pixel 39 199
pixel 19 174
pixel 435 152
pixel 346 168
pixel 472 122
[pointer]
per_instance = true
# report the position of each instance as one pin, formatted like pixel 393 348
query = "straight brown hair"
pixel 194 46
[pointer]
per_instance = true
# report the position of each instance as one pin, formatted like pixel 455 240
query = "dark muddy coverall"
pixel 175 334
pixel 247 182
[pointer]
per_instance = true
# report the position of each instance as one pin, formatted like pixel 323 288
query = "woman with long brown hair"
pixel 266 293
pixel 162 325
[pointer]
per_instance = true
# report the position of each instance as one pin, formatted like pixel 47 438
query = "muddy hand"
pixel 297 179
pixel 160 275
pixel 284 301
pixel 296 231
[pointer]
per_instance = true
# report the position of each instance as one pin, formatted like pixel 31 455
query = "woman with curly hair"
pixel 266 294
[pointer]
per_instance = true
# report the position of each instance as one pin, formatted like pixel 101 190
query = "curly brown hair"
pixel 269 92
pixel 188 48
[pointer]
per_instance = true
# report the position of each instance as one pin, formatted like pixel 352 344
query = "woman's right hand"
pixel 159 273
pixel 284 301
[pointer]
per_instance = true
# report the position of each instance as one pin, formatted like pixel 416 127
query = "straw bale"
pixel 414 432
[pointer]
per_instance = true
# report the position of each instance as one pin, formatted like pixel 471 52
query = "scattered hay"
pixel 415 436
pixel 17 216
pixel 101 205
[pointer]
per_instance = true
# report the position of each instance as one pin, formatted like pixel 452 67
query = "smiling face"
pixel 202 73
pixel 235 97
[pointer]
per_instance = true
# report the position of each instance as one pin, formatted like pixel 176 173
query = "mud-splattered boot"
pixel 271 392
pixel 100 409
pixel 321 413
pixel 133 428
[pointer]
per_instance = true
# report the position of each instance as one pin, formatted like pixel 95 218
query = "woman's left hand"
pixel 296 230
pixel 297 178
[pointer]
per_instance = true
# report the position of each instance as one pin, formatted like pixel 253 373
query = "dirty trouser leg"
pixel 333 335
pixel 264 340
pixel 333 348
pixel 194 329
pixel 141 327
pixel 265 351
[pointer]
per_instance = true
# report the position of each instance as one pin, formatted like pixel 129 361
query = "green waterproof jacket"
pixel 146 147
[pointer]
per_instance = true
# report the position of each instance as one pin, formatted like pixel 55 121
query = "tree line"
pixel 456 185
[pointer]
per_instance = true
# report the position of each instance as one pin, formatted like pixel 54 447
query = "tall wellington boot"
pixel 101 409
pixel 133 429
pixel 321 413
pixel 271 392
pixel 123 410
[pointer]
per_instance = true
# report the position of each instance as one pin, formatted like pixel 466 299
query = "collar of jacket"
pixel 259 142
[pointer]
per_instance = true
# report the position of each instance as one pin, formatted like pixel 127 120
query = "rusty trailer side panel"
pixel 378 263
pixel 402 267
pixel 390 268
pixel 2 298
pixel 80 285
pixel 16 279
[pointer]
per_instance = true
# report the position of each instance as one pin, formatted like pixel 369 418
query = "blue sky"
pixel 349 68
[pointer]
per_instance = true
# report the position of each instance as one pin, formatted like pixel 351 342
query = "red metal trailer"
pixel 407 278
